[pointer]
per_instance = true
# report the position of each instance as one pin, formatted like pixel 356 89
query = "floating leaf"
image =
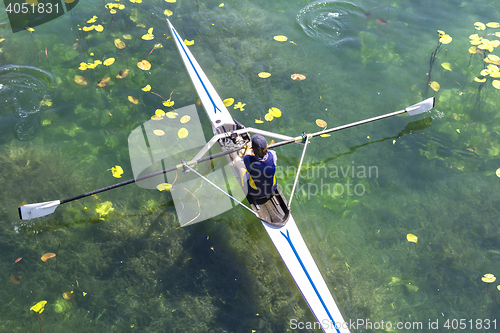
pixel 109 61
pixel 498 172
pixel 168 103
pixel 47 256
pixel 412 238
pixel 14 278
pixel 228 101
pixel 17 260
pixel 447 66
pixel 435 86
pixel 446 39
pixel 268 117
pixel 92 20
pixel 221 5
pixel 496 84
pixel 171 1
pixel 123 73
pixel 479 26
pixel 159 112
pixel 493 25
pixel 146 88
pixel 182 133
pixel 185 119
pixel 171 114
pixel 39 307
pixel 472 49
pixel 148 36
pixel 127 36
pixel 155 117
pixel 298 77
pixel 188 42
pixel 280 38
pixel 164 187
pixel 458 131
pixel 80 80
pixel 132 99
pixel 258 121
pixel 480 79
pixel 275 112
pixel 119 43
pixel 240 106
pixel 159 132
pixel 168 12
pixel 144 65
pixel 324 135
pixel 103 82
pixel 103 209
pixel 488 278
pixel 99 28
pixel 264 75
pixel 321 123
pixel 30 29
pixel 117 171
pixel 67 295
pixel 493 57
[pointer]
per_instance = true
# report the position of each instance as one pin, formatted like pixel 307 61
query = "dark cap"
pixel 258 142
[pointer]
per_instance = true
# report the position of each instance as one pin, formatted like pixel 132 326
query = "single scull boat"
pixel 274 213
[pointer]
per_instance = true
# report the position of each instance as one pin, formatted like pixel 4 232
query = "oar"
pixel 31 211
pixel 413 110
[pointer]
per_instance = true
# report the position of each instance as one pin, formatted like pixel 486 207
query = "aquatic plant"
pixel 443 40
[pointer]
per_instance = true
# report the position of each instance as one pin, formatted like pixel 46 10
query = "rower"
pixel 261 166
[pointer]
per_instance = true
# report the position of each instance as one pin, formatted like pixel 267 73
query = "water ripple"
pixel 335 23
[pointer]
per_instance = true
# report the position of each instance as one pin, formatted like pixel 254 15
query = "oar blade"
pixel 31 211
pixel 421 107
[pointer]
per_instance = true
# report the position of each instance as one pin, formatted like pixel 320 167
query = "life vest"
pixel 261 174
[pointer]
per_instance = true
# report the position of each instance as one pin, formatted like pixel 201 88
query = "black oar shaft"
pixel 130 181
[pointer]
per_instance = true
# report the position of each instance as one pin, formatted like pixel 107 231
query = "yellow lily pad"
pixel 275 112
pixel 264 75
pixel 258 121
pixel 412 238
pixel 188 42
pixel 228 101
pixel 496 84
pixel 164 187
pixel 109 62
pixel 159 132
pixel 159 112
pixel 182 133
pixel 146 88
pixel 39 307
pixel 498 172
pixel 447 66
pixel 321 123
pixel 117 171
pixel 168 103
pixel 435 86
pixel 133 100
pixel 488 278
pixel 493 25
pixel 185 119
pixel 281 38
pixel 268 117
pixel 171 114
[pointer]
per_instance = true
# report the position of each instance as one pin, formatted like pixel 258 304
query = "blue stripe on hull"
pixel 181 43
pixel 287 237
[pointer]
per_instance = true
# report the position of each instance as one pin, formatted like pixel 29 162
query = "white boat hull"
pixel 287 239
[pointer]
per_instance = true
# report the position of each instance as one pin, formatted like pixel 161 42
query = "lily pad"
pixel 81 80
pixel 103 82
pixel 47 256
pixel 123 73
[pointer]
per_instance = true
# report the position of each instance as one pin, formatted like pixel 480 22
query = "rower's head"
pixel 259 145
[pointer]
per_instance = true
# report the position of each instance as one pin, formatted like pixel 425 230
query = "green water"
pixel 133 270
